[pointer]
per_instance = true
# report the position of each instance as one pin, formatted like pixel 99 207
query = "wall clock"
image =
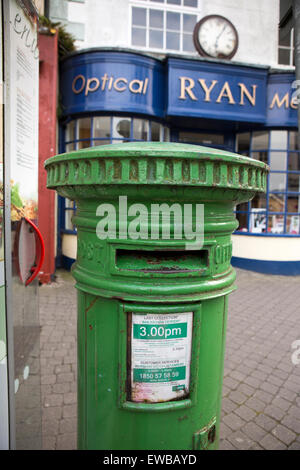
pixel 215 36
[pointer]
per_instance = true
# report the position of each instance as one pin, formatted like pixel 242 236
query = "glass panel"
pixel 139 16
pixel 293 204
pixel 259 201
pixel 95 143
pixel 156 129
pixel 278 161
pixel 140 129
pixel 284 38
pixel 293 224
pixel 173 21
pixel 260 140
pixel 174 2
pixel 189 22
pixel 190 3
pixel 187 43
pixel 243 222
pixel 121 128
pixel 293 182
pixel 69 214
pixel 156 19
pixel 276 202
pixel 258 221
pixel 201 138
pixel 157 1
pixel 294 161
pixel 156 39
pixel 84 132
pixel 262 156
pixel 70 147
pixel 101 127
pixel 71 131
pixel 276 223
pixel 278 140
pixel 293 140
pixel 173 41
pixel 138 37
pixel 284 56
pixel 242 207
pixel 243 143
pixel 166 134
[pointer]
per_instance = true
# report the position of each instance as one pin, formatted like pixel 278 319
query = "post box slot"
pixel 162 261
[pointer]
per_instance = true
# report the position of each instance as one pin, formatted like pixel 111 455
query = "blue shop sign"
pixel 282 100
pixel 216 91
pixel 112 82
pixel 131 83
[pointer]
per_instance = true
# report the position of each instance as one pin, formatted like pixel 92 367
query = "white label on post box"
pixel 160 356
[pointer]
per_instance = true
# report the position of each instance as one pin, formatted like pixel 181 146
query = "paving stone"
pixel 67 425
pixel 246 389
pixel 274 412
pixel 255 432
pixel 245 413
pixel 69 411
pixel 226 445
pixel 49 442
pixel 284 434
pixel 265 422
pixel 270 442
pixel 50 427
pixel 240 440
pixel 263 396
pixel 66 441
pixel 281 403
pixel 228 405
pixel 294 446
pixel 233 421
pixel 292 423
pixel 70 398
pixel 237 397
pixel 255 404
pixel 53 400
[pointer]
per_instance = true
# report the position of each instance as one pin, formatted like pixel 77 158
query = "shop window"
pixel 277 212
pixel 103 130
pixel 163 25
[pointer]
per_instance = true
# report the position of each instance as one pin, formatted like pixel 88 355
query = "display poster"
pixel 23 102
pixel 295 225
pixel 160 356
pixel 258 221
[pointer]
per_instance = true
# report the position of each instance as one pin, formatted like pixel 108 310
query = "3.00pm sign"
pixel 160 356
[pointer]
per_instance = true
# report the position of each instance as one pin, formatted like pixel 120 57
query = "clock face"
pixel 215 36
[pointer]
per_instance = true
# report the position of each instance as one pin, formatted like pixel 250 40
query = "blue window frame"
pixel 277 212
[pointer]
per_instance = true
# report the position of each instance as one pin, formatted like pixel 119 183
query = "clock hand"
pixel 218 37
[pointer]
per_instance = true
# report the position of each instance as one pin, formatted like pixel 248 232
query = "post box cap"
pixel 156 163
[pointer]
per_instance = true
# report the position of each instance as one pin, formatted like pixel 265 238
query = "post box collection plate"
pixel 160 356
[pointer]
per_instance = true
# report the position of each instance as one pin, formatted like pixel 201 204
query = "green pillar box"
pixel 152 305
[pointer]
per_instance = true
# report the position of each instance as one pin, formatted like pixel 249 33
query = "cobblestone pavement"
pixel 261 391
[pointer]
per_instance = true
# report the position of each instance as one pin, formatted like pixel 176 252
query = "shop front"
pixel 112 96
